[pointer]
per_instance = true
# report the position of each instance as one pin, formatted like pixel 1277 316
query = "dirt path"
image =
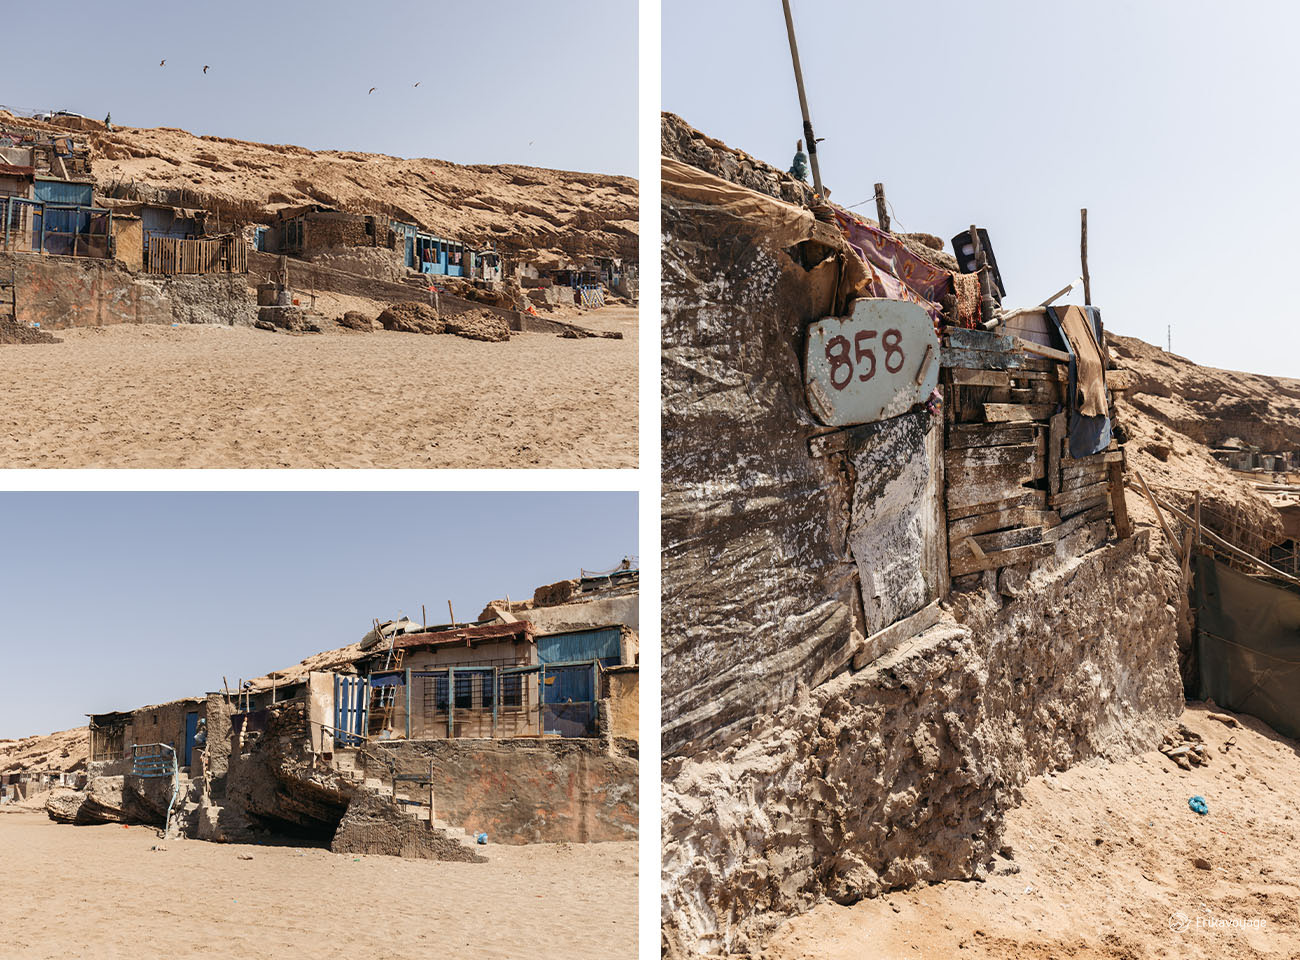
pixel 1102 865
pixel 209 396
pixel 103 892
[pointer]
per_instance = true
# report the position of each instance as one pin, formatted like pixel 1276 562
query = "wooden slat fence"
pixel 172 255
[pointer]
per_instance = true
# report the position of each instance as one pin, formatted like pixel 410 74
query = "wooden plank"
pixel 1080 494
pixel 897 633
pixel 981 378
pixel 976 339
pixel 976 485
pixel 1000 520
pixel 1123 525
pixel 1017 412
pixel 1020 453
pixel 1073 477
pixel 979 359
pixel 1038 350
pixel 1094 513
pixel 1002 558
pixel 1055 440
pixel 1007 539
pixel 1097 459
pixel 1058 374
pixel 1035 499
pixel 962 435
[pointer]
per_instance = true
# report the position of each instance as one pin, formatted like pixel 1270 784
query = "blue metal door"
pixel 191 728
pixel 351 706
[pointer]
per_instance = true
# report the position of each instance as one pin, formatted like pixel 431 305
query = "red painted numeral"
pixel 894 358
pixel 839 359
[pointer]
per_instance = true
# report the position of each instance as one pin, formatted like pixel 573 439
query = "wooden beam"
pixel 1005 455
pixel 1173 542
pixel 1055 441
pixel 1017 412
pixel 962 435
pixel 1002 558
pixel 891 637
pixel 1123 525
pixel 980 378
pixel 1218 541
pixel 1083 255
pixel 1001 520
pixel 1036 499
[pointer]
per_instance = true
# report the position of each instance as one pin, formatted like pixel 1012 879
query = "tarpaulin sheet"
pixel 1248 645
pixel 1091 388
pixel 1088 434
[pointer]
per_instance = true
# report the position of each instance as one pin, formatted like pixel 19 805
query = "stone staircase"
pixel 347 764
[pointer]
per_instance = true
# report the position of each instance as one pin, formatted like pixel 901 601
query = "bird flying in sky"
pixel 418 82
pixel 162 63
pixel 205 68
pixel 372 90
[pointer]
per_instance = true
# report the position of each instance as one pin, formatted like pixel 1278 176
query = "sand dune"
pixel 102 892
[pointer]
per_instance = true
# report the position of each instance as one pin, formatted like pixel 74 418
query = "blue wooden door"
pixel 191 728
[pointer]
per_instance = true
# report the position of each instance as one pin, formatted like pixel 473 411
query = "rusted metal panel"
pixel 879 361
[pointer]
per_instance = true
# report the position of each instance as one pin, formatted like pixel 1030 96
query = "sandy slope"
pixel 520 210
pixel 211 396
pixel 1101 856
pixel 102 892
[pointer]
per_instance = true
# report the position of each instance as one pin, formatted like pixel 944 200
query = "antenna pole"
pixel 803 103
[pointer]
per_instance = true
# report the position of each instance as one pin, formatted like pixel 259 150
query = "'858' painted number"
pixel 844 360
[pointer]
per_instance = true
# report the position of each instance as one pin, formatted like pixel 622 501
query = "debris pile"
pixel 479 325
pixel 1185 747
pixel 14 333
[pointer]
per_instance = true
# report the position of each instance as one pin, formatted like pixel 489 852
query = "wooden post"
pixel 882 214
pixel 1174 543
pixel 408 703
pixel 451 702
pixel 808 134
pixel 541 700
pixel 1123 526
pixel 451 613
pixel 982 267
pixel 1196 517
pixel 496 695
pixel 1083 255
pixel 432 812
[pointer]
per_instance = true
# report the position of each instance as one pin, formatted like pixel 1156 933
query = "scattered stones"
pixel 14 333
pixel 1200 863
pixel 1185 747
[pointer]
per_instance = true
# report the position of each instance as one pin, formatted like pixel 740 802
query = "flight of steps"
pixel 185 817
pixel 347 764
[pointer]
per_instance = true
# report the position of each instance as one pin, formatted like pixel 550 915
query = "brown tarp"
pixel 1092 376
pixel 1248 645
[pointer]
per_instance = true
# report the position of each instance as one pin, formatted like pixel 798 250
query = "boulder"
pixel 411 318
pixel 479 325
pixel 64 806
pixel 355 320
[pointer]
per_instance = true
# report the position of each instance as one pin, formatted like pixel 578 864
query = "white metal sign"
pixel 878 362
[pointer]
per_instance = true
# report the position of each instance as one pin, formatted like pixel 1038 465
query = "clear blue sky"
pixel 1172 121
pixel 112 601
pixel 493 76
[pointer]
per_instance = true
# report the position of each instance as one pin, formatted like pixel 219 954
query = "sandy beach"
pixel 1106 862
pixel 219 396
pixel 103 892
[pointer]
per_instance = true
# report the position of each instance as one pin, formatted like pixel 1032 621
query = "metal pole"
pixel 803 103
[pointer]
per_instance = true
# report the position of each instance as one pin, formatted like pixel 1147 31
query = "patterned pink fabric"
pixel 896 272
